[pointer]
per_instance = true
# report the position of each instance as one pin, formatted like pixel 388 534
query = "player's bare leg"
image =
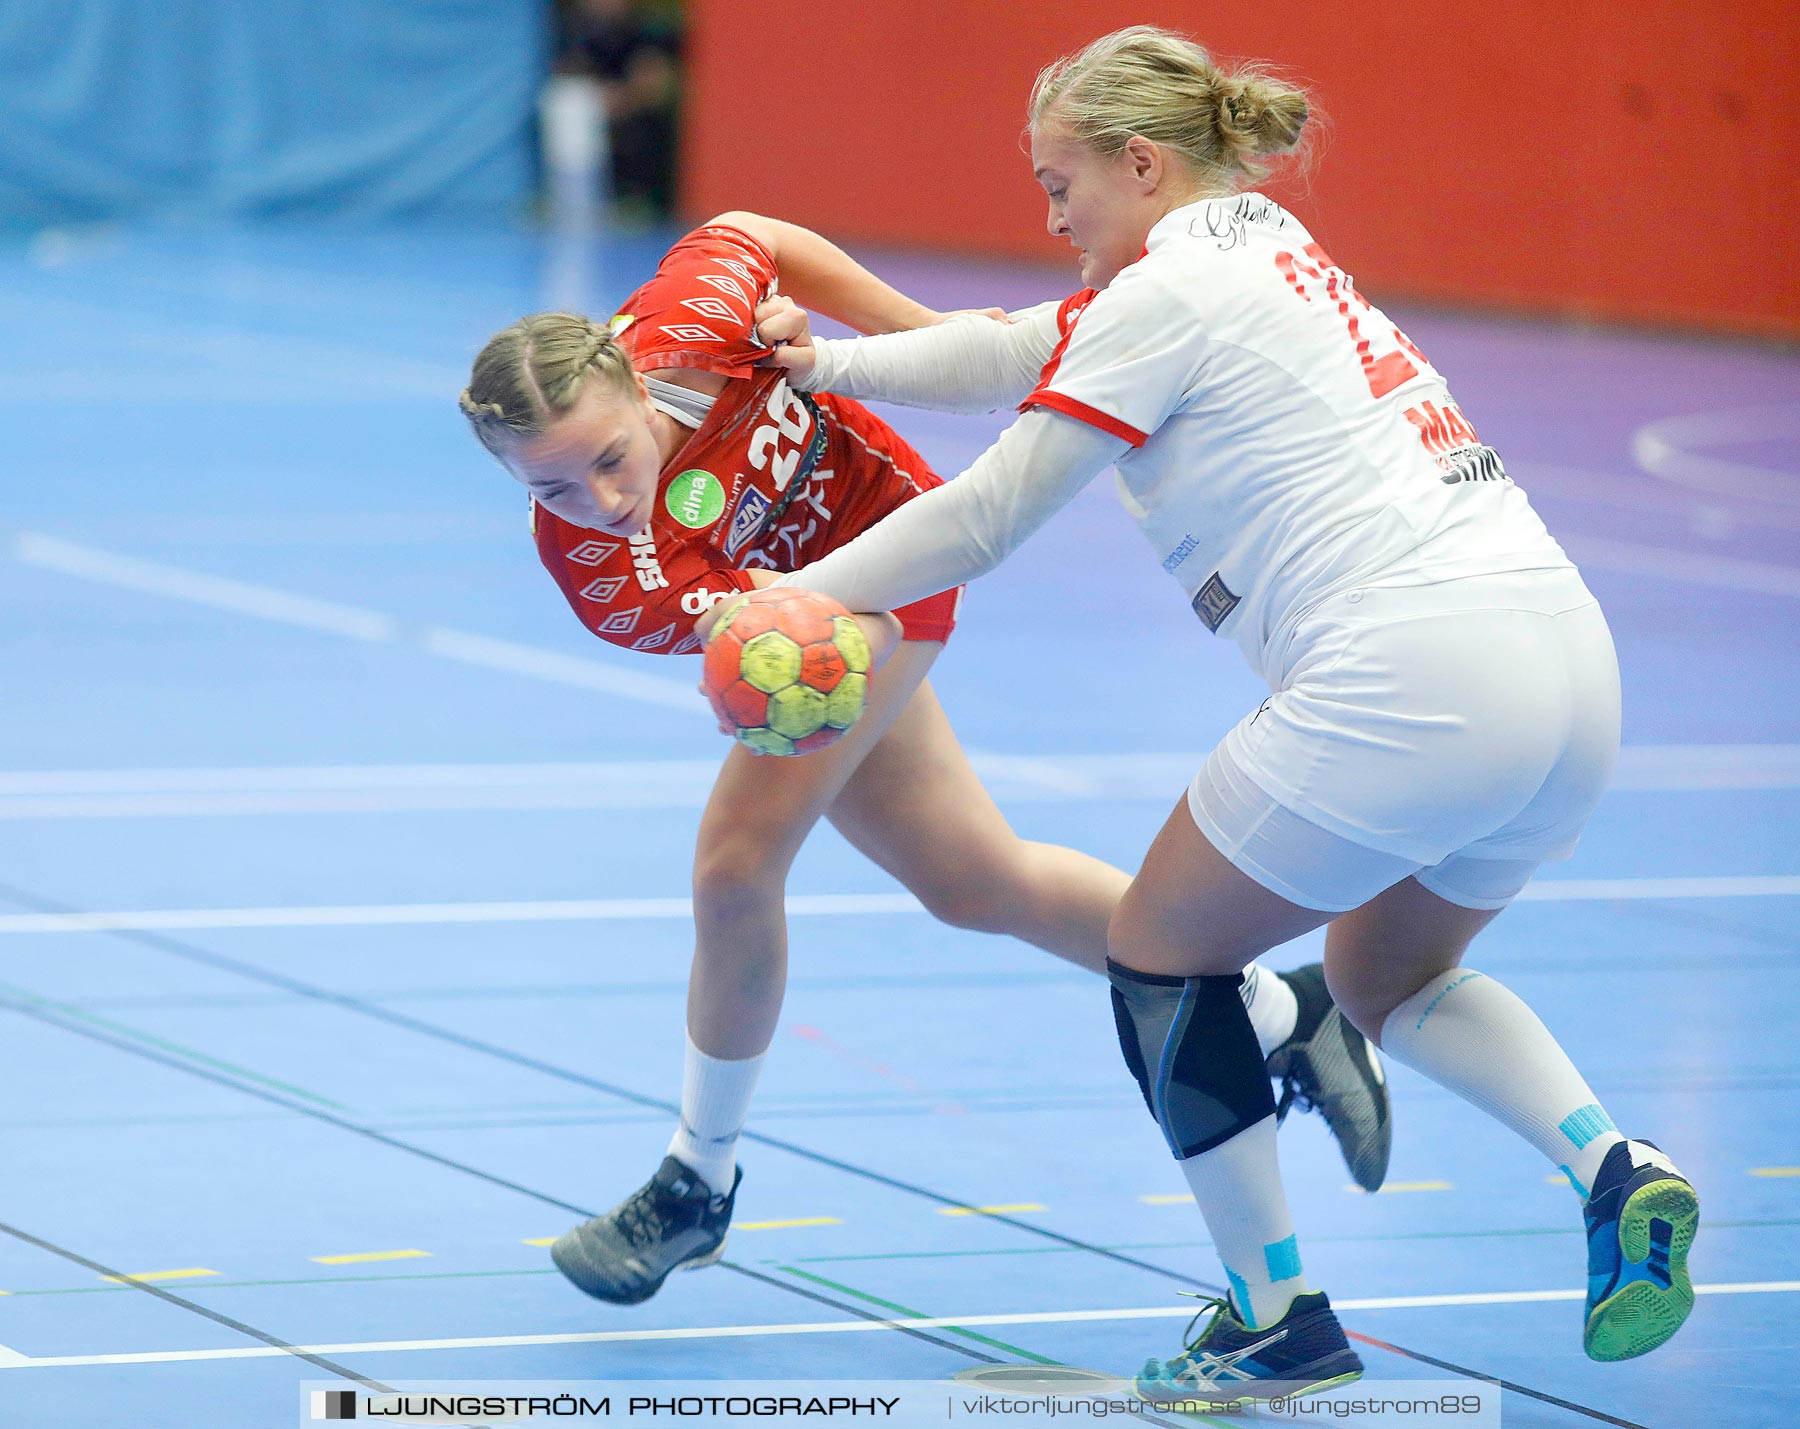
pixel 916 808
pixel 760 812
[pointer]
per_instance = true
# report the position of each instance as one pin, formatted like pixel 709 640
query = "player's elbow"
pixel 760 227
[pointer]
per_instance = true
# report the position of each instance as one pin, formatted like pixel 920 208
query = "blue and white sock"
pixel 1471 1035
pixel 1237 1186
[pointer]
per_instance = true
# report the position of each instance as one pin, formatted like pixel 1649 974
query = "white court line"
pixel 686 783
pixel 12 1359
pixel 1666 449
pixel 285 608
pixel 577 910
pixel 1724 572
pixel 841 1327
pixel 377 915
pixel 239 597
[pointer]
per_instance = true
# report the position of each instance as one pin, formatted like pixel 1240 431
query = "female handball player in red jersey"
pixel 667 471
pixel 1445 697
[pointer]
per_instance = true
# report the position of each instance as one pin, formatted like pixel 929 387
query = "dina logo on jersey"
pixel 746 520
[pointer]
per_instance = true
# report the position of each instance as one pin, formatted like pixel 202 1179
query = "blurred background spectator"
pixel 609 111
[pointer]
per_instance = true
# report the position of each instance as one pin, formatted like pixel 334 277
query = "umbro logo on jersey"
pixel 657 640
pixel 1214 602
pixel 725 285
pixel 604 589
pixel 687 646
pixel 736 267
pixel 621 624
pixel 716 308
pixel 690 332
pixel 591 553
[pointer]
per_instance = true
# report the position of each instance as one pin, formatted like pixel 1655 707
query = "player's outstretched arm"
pixel 964 528
pixel 821 276
pixel 969 363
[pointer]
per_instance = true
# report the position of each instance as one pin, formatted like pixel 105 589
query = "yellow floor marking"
pixel 545 1240
pixel 1775 1170
pixel 1556 1178
pixel 991 1210
pixel 782 1225
pixel 361 1256
pixel 1186 1200
pixel 158 1275
pixel 1395 1187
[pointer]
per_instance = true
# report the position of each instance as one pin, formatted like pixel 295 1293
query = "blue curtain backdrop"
pixel 113 109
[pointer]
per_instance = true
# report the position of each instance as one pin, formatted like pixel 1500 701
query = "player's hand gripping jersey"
pixel 772 478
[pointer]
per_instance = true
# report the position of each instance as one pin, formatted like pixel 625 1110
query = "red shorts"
pixel 932 618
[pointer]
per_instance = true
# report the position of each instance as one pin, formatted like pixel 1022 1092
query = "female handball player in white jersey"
pixel 667 471
pixel 1445 707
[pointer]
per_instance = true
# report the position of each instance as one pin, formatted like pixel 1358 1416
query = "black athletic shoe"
pixel 1229 1364
pixel 1329 1067
pixel 674 1221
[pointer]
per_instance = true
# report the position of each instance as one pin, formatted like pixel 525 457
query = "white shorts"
pixel 1462 732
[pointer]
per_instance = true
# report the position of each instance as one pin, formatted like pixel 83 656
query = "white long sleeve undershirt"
pixel 968 364
pixel 966 527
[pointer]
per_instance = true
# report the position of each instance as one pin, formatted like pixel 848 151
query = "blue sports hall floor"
pixel 343 929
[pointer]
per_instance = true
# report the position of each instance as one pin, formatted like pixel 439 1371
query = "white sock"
pixel 1237 1186
pixel 1272 1006
pixel 1469 1034
pixel 715 1100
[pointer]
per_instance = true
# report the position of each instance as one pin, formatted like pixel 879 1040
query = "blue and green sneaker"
pixel 1228 1364
pixel 1641 1218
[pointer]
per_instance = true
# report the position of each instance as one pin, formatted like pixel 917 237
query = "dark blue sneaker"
pixel 1228 1364
pixel 674 1221
pixel 1640 1222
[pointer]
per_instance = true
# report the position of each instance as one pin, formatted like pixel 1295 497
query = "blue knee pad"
pixel 1189 1043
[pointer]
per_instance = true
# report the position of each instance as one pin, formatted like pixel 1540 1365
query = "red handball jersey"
pixel 773 478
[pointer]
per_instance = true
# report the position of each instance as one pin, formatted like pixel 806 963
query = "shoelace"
pixel 639 1220
pixel 1292 1095
pixel 1213 1305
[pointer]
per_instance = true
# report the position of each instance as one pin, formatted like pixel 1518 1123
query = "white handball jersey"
pixel 1288 441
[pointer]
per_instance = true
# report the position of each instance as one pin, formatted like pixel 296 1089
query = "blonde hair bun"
pixel 1148 81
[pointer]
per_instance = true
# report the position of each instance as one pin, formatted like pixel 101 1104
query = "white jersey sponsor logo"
pixel 696 602
pixel 643 559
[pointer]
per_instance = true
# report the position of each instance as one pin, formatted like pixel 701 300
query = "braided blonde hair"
pixel 1155 83
pixel 532 372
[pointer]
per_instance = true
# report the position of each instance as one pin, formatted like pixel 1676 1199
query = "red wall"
pixel 1631 161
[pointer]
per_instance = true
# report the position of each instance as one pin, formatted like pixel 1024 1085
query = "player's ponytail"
pixel 1155 83
pixel 532 372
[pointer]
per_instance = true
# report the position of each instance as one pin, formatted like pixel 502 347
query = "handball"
pixel 786 670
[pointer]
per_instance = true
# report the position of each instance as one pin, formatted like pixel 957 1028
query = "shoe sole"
pixel 1221 1400
pixel 1638 1317
pixel 1366 1160
pixel 576 1273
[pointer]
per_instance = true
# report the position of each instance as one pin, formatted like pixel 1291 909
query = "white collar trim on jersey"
pixel 684 404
